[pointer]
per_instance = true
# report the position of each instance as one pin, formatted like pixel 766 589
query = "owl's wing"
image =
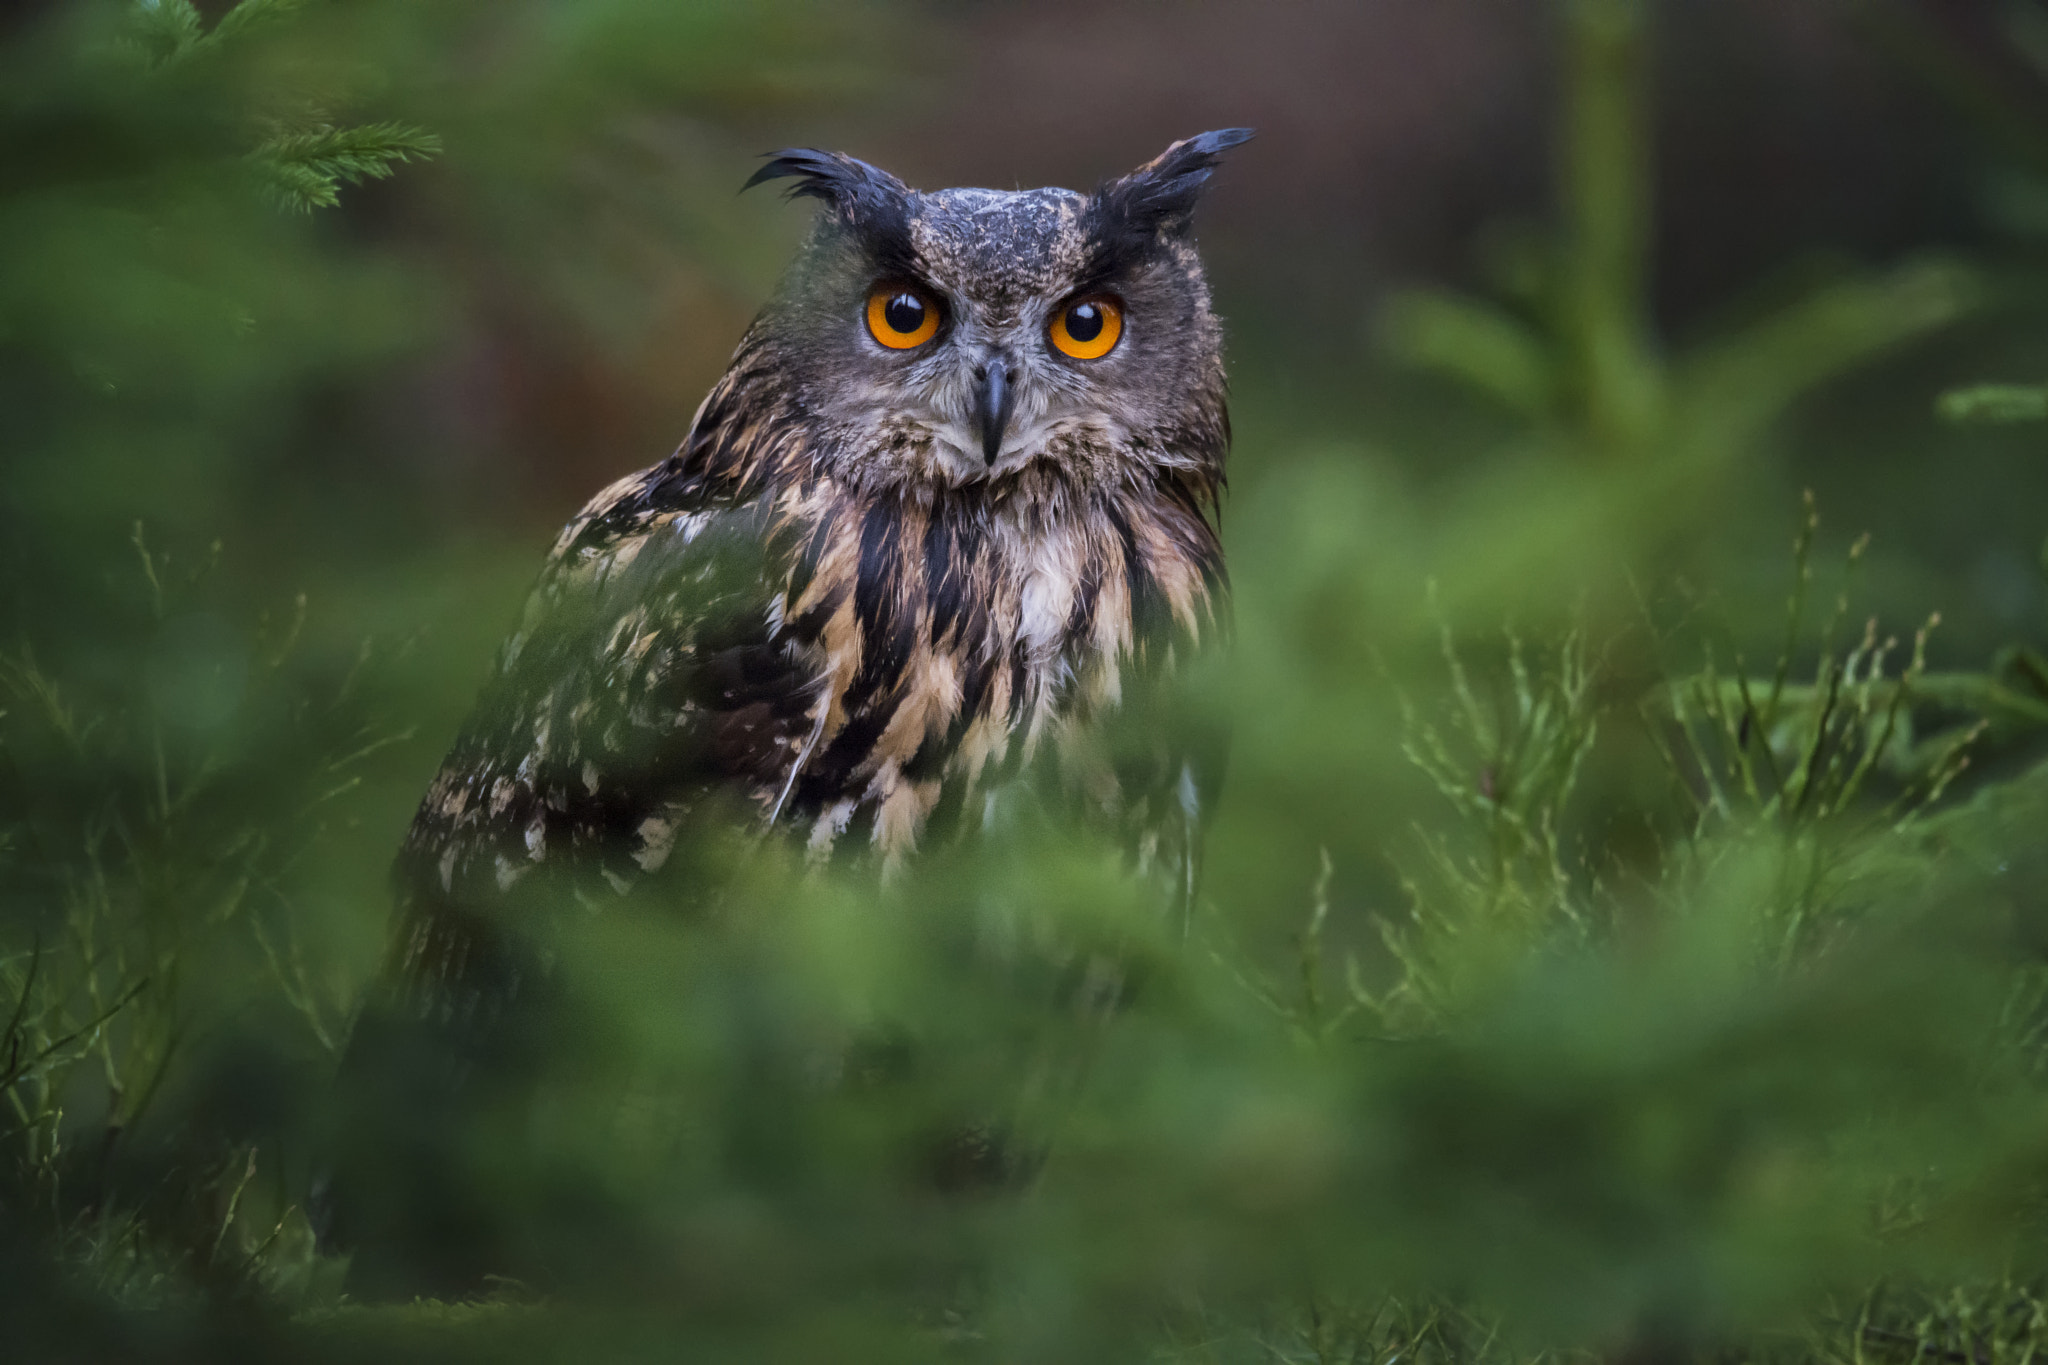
pixel 646 679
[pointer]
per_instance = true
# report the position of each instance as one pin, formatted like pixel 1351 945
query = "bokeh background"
pixel 1591 960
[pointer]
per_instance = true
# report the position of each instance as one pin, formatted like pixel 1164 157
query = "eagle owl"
pixel 952 505
pixel 948 518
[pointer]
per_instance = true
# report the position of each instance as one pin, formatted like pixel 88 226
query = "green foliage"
pixel 301 159
pixel 141 880
pixel 1610 985
pixel 1572 349
pixel 1799 755
pixel 1500 885
pixel 1996 403
pixel 307 169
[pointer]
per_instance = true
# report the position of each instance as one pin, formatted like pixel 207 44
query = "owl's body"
pixel 947 519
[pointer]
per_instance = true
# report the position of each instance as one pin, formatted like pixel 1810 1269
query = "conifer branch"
pixel 305 170
pixel 167 29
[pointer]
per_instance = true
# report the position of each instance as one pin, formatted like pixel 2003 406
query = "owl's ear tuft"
pixel 872 203
pixel 853 187
pixel 1161 194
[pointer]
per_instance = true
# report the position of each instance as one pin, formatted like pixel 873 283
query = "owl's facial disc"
pixel 998 351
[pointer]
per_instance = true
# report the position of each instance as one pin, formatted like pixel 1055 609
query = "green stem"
pixel 1605 174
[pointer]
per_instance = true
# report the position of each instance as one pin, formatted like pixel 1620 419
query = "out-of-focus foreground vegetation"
pixel 1619 940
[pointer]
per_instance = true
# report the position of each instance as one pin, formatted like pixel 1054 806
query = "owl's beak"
pixel 993 399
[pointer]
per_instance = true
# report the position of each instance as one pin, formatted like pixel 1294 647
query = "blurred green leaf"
pixel 1996 403
pixel 1477 343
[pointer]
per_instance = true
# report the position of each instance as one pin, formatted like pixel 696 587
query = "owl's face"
pixel 957 338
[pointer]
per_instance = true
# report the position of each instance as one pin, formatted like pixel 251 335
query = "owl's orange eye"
pixel 901 317
pixel 1087 329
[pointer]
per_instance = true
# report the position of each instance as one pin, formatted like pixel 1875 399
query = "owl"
pixel 952 505
pixel 948 519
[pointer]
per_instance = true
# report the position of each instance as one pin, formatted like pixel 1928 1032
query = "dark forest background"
pixel 1623 932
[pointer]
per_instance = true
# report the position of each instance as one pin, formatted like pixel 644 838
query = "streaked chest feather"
pixel 952 641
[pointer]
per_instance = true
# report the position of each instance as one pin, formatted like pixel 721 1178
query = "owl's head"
pixel 962 336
